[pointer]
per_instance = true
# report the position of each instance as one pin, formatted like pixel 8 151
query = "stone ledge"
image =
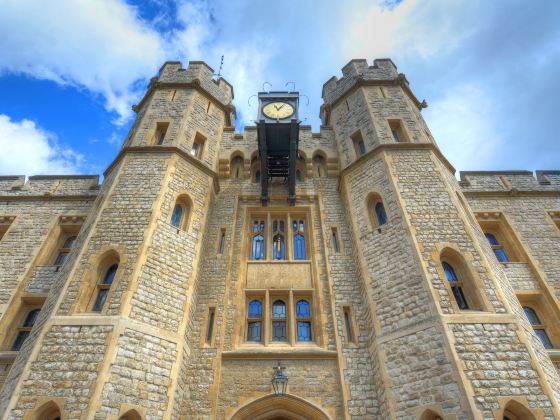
pixel 285 352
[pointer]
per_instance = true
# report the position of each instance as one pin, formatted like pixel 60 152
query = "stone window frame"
pixel 319 163
pixel 350 338
pixel 208 336
pixel 554 216
pixel 237 165
pixel 432 412
pixel 255 167
pixel 517 408
pixel 199 139
pixel 290 297
pixel 47 409
pixel 131 412
pixel 98 264
pixel 547 312
pixel 186 202
pixel 497 224
pixel 15 321
pixel 221 240
pixel 335 232
pixel 160 132
pixel 396 124
pixel 288 216
pixel 373 198
pixel 473 287
pixel 65 226
pixel 357 140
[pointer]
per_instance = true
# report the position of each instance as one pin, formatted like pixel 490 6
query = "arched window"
pixel 236 167
pixel 279 247
pixel 303 318
pixel 254 321
pixel 456 285
pixel 103 288
pixel 25 329
pixel 181 212
pixel 319 166
pixel 517 411
pixel 298 229
pixel 64 250
pixel 496 247
pixel 538 327
pixel 376 210
pixel 257 243
pixel 279 331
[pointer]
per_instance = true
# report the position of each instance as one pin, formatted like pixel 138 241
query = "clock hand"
pixel 280 107
pixel 277 109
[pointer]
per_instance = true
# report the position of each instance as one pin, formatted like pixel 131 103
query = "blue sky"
pixel 71 69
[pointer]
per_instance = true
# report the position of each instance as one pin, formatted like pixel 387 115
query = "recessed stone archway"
pixel 287 407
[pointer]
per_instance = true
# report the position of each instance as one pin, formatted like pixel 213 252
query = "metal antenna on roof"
pixel 293 83
pixel 266 83
pixel 219 74
pixel 306 97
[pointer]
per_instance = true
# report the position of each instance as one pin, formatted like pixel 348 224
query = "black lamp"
pixel 279 381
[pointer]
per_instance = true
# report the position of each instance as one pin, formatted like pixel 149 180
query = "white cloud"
pixel 100 45
pixel 462 122
pixel 27 149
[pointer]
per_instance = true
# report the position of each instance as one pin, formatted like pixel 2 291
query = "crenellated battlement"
pixel 197 72
pixel 49 185
pixel 383 69
pixel 510 181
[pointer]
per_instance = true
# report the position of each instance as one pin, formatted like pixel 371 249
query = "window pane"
pixel 255 309
pixel 258 176
pixel 31 318
pixel 449 272
pixel 299 247
pixel 222 242
pixel 335 241
pixel 501 255
pixel 395 135
pixel 257 252
pixel 279 248
pixel 110 275
pixel 61 258
pixel 254 331
pixel 349 332
pixel 279 309
pixel 543 336
pixel 210 331
pixel 380 213
pixel 100 301
pixel 177 215
pixel 69 242
pixel 532 316
pixel 279 331
pixel 304 331
pixel 362 147
pixel 21 337
pixel 491 239
pixel 303 309
pixel 460 297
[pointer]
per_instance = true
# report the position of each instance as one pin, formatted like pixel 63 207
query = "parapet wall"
pixel 55 185
pixel 382 69
pixel 196 72
pixel 510 181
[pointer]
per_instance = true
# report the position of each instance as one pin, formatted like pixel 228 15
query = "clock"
pixel 278 110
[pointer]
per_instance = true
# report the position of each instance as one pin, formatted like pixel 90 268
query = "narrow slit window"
pixel 210 329
pixel 348 324
pixel 222 241
pixel 358 142
pixel 198 145
pixel 254 321
pixel 335 240
pixel 397 131
pixel 25 329
pixel 380 213
pixel 160 133
pixel 177 216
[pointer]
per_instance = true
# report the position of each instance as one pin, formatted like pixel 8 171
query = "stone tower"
pixel 388 291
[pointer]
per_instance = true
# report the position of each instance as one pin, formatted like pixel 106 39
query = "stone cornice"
pixel 164 149
pixel 512 193
pixel 48 197
pixel 397 146
pixel 272 353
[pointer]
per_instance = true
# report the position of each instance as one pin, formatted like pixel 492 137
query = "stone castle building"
pixel 362 276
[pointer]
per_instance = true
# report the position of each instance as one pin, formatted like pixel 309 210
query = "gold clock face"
pixel 278 110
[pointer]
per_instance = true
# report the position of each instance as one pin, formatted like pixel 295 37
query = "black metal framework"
pixel 278 145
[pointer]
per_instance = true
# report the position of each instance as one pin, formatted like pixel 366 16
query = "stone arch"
pixel 287 406
pixel 131 415
pixel 47 411
pixel 319 162
pixel 237 165
pixel 514 410
pixel 430 414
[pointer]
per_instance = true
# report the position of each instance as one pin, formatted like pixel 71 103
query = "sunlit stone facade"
pixel 390 290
